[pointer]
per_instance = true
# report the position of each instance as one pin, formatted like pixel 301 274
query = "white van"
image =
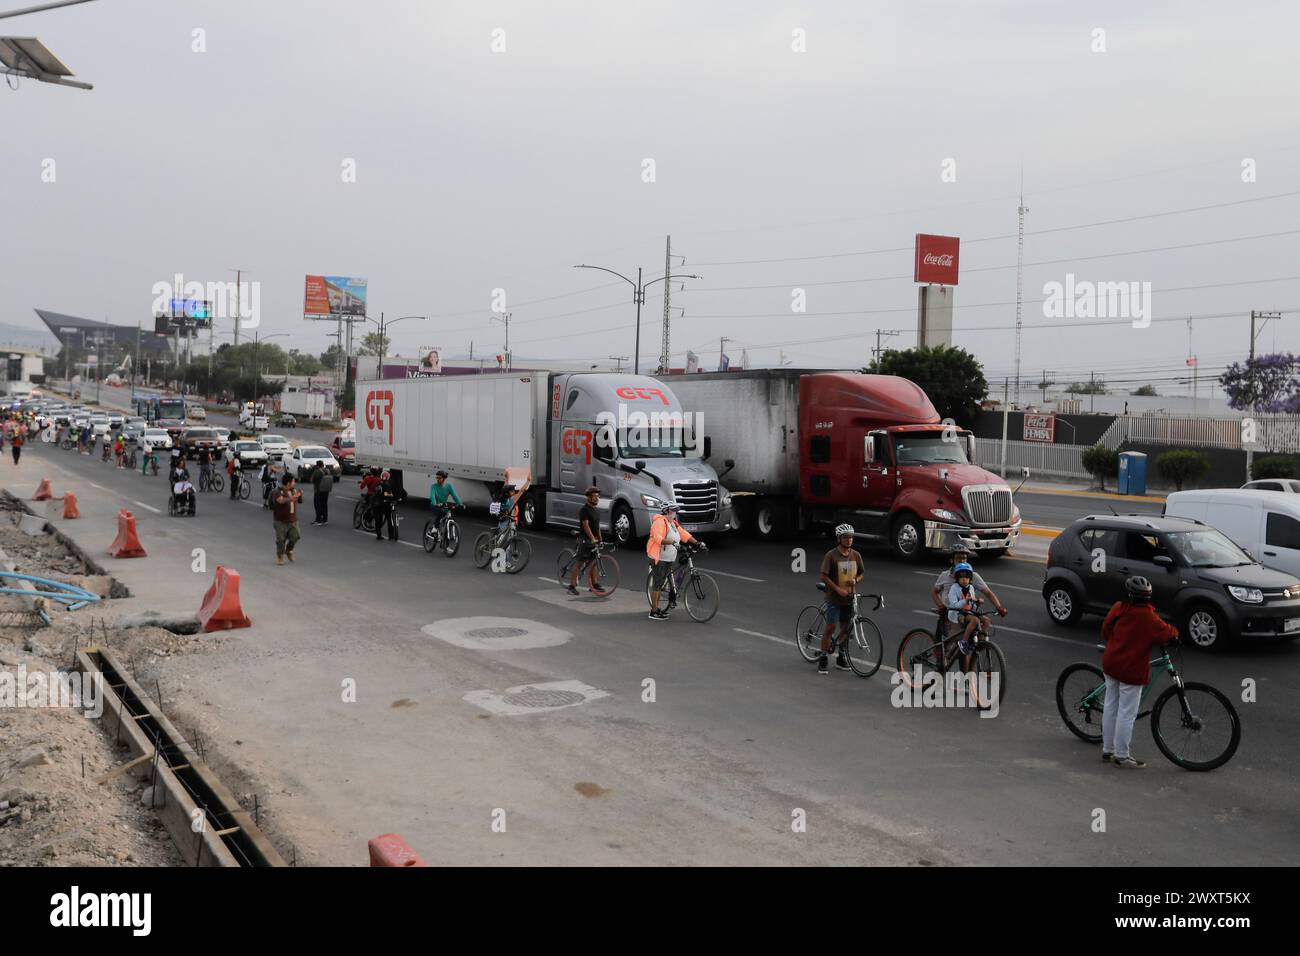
pixel 1264 523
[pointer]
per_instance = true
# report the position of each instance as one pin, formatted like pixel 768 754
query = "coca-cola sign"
pixel 936 259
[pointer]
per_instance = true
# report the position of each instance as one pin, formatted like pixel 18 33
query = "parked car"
pixel 344 449
pixel 249 452
pixel 1264 524
pixel 284 420
pixel 1289 485
pixel 1211 589
pixel 275 445
pixel 304 458
pixel 192 439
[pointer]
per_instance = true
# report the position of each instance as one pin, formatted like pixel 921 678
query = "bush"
pixel 1182 465
pixel 1146 390
pixel 1272 466
pixel 1100 461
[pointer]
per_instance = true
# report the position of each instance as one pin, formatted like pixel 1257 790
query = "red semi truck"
pixel 799 449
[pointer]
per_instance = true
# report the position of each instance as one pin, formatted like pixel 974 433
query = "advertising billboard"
pixel 936 259
pixel 430 361
pixel 1040 428
pixel 334 297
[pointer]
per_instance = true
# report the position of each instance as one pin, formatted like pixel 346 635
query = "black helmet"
pixel 441 474
pixel 1137 588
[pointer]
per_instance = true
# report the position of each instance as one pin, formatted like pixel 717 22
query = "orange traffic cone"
pixel 43 492
pixel 391 850
pixel 220 609
pixel 126 544
pixel 70 505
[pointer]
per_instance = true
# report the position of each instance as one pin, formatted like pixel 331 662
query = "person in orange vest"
pixel 666 536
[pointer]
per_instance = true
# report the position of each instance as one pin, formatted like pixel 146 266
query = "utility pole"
pixel 877 351
pixel 638 297
pixel 136 370
pixel 618 360
pixel 1020 275
pixel 668 322
pixel 722 348
pixel 504 319
pixel 1046 372
pixel 1092 392
pixel 1006 391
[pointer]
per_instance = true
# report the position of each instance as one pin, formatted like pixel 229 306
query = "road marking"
pixel 100 487
pixel 156 511
pixel 1017 630
pixel 1014 587
pixel 740 577
pixel 788 643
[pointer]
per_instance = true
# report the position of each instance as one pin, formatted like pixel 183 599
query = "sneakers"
pixel 570 589
pixel 822 669
pixel 289 555
pixel 597 590
pixel 1129 763
pixel 1106 758
pixel 841 661
pixel 659 615
pixel 279 559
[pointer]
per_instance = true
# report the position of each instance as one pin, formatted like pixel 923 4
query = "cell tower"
pixel 1020 277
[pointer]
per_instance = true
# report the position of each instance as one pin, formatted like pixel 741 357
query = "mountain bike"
pixel 608 574
pixel 130 459
pixel 506 543
pixel 698 590
pixel 862 645
pixel 1200 733
pixel 212 481
pixel 930 653
pixel 245 487
pixel 363 515
pixel 443 534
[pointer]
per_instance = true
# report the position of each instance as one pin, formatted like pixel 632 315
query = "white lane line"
pixel 728 574
pixel 93 485
pixel 410 544
pixel 156 511
pixel 1013 587
pixel 1017 630
pixel 789 643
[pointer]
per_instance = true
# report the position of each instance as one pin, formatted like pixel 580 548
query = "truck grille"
pixel 699 501
pixel 987 504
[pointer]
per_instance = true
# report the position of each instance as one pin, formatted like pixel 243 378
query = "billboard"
pixel 430 361
pixel 334 297
pixel 1040 428
pixel 936 259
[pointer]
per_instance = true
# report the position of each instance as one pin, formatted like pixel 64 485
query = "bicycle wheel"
pixel 483 549
pixel 808 632
pixel 430 536
pixel 1201 731
pixel 701 595
pixel 608 574
pixel 451 539
pixel 518 553
pixel 564 566
pixel 217 483
pixel 245 488
pixel 1080 698
pixel 866 648
pixel 358 514
pixel 919 650
pixel 989 667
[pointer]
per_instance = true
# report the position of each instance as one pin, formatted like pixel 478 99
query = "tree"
pixel 1182 465
pixel 1096 387
pixel 1100 461
pixel 373 344
pixel 952 377
pixel 330 357
pixel 1267 383
pixel 1147 391
pixel 1272 466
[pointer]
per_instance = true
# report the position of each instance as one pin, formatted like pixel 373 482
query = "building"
pixel 114 341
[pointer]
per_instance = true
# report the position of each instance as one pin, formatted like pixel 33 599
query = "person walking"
pixel 284 508
pixel 322 483
pixel 17 445
pixel 1131 629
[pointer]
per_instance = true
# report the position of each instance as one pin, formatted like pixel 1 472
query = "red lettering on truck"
pixel 576 441
pixel 379 411
pixel 646 394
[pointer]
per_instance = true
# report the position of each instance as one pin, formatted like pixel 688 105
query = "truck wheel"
pixel 771 520
pixel 908 538
pixel 530 512
pixel 623 525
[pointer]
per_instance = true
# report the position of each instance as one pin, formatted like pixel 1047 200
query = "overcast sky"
pixel 478 170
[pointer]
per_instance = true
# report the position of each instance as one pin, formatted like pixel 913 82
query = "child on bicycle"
pixel 842 568
pixel 963 607
pixel 1131 629
pixel 440 493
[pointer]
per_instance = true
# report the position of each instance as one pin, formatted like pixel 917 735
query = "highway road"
pixel 685 743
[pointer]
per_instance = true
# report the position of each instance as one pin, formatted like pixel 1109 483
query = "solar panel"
pixel 30 55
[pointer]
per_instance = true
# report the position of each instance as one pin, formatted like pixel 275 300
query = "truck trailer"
pixel 623 433
pixel 805 449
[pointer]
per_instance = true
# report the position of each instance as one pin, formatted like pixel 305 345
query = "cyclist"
pixel 440 493
pixel 666 536
pixel 385 507
pixel 205 468
pixel 963 608
pixel 842 569
pixel 1131 629
pixel 234 472
pixel 119 449
pixel 944 582
pixel 268 481
pixel 589 526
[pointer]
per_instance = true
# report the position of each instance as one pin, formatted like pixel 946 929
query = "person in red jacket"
pixel 1131 629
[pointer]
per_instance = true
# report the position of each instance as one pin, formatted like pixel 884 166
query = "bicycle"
pixel 934 652
pixel 129 459
pixel 699 591
pixel 149 461
pixel 245 487
pixel 1203 713
pixel 442 534
pixel 608 574
pixel 363 516
pixel 506 539
pixel 864 652
pixel 211 481
pixel 67 444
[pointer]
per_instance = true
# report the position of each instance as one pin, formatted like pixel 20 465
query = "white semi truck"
pixel 623 433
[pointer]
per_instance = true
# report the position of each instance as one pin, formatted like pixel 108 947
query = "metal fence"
pixel 1042 459
pixel 1261 433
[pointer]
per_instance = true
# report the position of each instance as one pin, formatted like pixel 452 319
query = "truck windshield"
pixel 653 443
pixel 925 448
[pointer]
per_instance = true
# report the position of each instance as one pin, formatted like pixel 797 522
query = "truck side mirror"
pixel 640 465
pixel 970 448
pixel 868 448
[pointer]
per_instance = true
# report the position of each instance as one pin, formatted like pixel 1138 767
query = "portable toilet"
pixel 1132 473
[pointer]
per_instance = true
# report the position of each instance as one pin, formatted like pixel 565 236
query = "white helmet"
pixel 843 530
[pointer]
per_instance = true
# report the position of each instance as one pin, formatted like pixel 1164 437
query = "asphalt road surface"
pixel 741 735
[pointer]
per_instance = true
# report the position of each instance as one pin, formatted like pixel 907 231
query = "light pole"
pixel 638 296
pixel 257 374
pixel 383 325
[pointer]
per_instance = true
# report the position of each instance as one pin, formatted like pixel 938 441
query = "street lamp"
pixel 384 324
pixel 257 375
pixel 638 296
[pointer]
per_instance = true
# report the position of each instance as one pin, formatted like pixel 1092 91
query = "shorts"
pixel 585 550
pixel 839 613
pixel 659 572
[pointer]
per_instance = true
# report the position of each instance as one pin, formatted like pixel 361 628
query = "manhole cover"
pixel 498 632
pixel 533 697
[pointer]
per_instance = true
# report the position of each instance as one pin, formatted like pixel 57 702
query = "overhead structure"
pixel 29 57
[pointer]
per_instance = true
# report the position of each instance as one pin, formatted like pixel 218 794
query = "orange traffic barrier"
pixel 126 544
pixel 43 492
pixel 70 505
pixel 391 850
pixel 220 609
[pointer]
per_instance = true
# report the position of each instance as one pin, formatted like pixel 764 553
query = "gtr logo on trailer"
pixel 379 412
pixel 576 441
pixel 644 393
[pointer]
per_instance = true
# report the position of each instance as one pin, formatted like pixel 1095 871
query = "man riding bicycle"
pixel 842 569
pixel 944 582
pixel 205 467
pixel 588 539
pixel 440 493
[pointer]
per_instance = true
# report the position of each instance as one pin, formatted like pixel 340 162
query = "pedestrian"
pixel 234 473
pixel 322 482
pixel 1130 630
pixel 284 509
pixel 385 508
pixel 17 446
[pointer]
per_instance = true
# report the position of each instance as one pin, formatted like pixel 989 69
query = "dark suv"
pixel 1213 591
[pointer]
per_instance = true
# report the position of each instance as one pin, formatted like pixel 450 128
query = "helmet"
pixel 593 490
pixel 959 549
pixel 963 567
pixel 1137 588
pixel 384 476
pixel 843 529
pixel 375 469
pixel 669 508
